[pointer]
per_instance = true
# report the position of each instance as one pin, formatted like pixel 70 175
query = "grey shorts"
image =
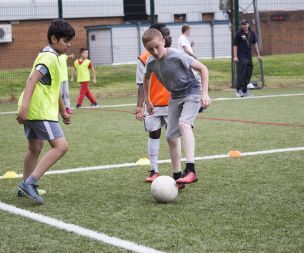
pixel 182 110
pixel 154 122
pixel 42 130
pixel 158 120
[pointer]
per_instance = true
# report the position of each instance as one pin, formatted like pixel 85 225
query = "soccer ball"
pixel 164 189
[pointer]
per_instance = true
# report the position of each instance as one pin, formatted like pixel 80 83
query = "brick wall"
pixel 281 37
pixel 31 36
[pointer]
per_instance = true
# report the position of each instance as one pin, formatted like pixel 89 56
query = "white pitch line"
pixel 114 241
pixel 128 165
pixel 215 99
pixel 257 97
pixel 85 107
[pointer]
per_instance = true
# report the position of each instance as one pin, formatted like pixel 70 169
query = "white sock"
pixel 153 150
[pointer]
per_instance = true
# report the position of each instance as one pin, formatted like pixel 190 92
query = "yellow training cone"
pixel 143 161
pixel 10 174
pixel 234 153
pixel 41 192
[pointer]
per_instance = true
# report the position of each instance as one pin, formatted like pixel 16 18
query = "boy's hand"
pixel 150 108
pixel 94 81
pixel 139 113
pixel 205 100
pixel 22 116
pixel 72 80
pixel 66 118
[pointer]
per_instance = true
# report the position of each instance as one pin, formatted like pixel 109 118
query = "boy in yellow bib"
pixel 38 109
pixel 82 67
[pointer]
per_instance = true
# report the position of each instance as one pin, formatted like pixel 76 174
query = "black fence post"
pixel 152 12
pixel 60 8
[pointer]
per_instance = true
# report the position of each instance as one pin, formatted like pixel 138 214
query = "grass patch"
pixel 248 204
pixel 119 80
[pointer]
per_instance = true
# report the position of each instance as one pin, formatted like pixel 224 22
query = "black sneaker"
pixel 77 106
pixel 30 190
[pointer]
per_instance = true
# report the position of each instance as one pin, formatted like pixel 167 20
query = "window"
pixel 208 16
pixel 180 18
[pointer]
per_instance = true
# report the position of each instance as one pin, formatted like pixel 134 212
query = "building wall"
pixel 211 40
pixel 281 37
pixel 48 9
pixel 193 9
pixel 31 36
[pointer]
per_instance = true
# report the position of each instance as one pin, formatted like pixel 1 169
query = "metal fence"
pixel 112 30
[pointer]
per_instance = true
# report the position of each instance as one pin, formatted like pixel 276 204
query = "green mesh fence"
pixel 112 30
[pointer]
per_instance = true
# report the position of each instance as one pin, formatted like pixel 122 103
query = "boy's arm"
pixel 73 74
pixel 188 52
pixel 27 95
pixel 66 117
pixel 71 56
pixel 140 102
pixel 140 91
pixel 146 88
pixel 203 71
pixel 94 74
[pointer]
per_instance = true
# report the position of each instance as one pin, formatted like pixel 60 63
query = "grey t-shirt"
pixel 175 73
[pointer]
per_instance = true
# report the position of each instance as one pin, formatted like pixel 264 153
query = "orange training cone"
pixel 234 153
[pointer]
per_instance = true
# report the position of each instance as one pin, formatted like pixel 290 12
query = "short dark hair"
pixel 157 26
pixel 185 28
pixel 81 50
pixel 60 29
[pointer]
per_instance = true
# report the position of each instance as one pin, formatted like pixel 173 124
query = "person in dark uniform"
pixel 243 42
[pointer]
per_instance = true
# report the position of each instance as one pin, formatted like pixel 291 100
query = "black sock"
pixel 177 175
pixel 190 167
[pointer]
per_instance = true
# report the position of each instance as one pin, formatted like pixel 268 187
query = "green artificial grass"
pixel 246 204
pixel 119 80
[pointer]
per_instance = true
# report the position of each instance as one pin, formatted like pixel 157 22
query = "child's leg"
pixel 175 154
pixel 31 157
pixel 173 135
pixel 153 151
pixel 83 91
pixel 190 110
pixel 41 130
pixel 90 96
pixel 58 148
pixel 153 148
pixel 188 141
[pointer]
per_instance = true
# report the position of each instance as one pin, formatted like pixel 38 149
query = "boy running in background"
pixel 38 109
pixel 159 99
pixel 82 67
pixel 188 92
pixel 63 58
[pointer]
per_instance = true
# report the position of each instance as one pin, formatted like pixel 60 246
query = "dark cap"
pixel 244 21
